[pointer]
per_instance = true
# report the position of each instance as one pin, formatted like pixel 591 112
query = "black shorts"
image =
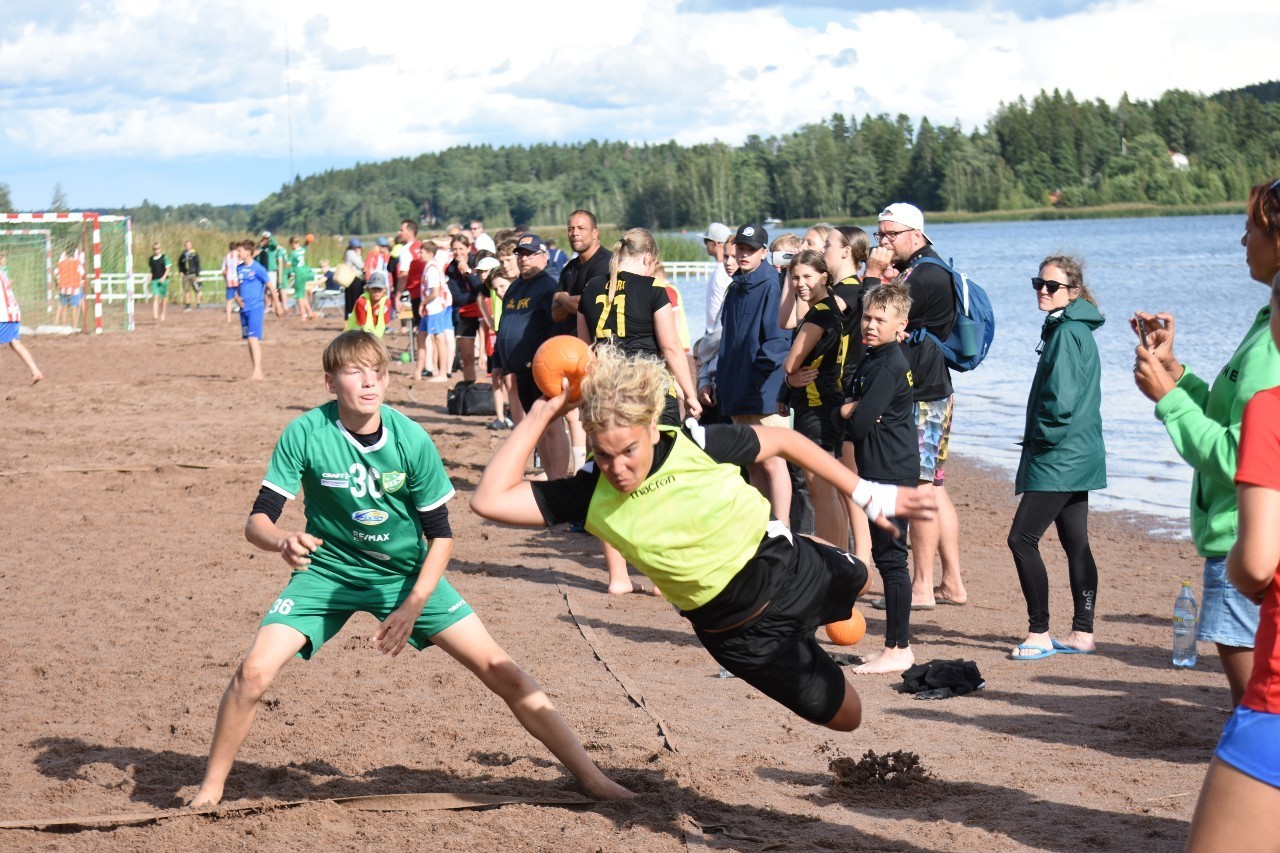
pixel 526 389
pixel 465 327
pixel 777 652
pixel 819 426
pixel 670 411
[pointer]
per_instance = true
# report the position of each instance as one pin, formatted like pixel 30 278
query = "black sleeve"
pixel 566 501
pixel 877 394
pixel 731 444
pixel 435 523
pixel 268 502
pixel 195 264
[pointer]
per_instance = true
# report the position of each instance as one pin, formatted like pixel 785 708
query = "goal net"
pixel 31 246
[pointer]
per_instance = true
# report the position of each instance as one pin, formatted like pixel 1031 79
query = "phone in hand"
pixel 1142 332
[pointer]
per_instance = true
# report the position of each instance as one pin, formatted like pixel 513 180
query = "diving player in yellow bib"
pixel 674 502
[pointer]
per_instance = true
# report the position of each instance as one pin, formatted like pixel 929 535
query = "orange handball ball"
pixel 311 238
pixel 561 357
pixel 849 631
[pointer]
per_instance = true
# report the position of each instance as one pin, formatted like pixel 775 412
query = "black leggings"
pixel 889 553
pixel 1069 512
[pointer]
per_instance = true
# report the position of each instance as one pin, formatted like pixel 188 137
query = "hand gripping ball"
pixel 847 632
pixel 561 357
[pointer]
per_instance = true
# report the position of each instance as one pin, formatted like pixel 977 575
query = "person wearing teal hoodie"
pixel 1063 458
pixel 1204 423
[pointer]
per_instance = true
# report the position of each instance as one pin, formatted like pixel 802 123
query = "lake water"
pixel 1192 267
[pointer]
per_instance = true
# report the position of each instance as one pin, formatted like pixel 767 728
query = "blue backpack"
pixel 975 328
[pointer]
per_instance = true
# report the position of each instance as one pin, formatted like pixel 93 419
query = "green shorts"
pixel 317 607
pixel 159 288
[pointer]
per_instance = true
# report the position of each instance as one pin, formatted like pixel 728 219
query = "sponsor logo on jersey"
pixel 392 480
pixel 653 487
pixel 369 517
pixel 334 484
pixel 455 606
pixel 376 555
pixel 361 536
pixel 339 480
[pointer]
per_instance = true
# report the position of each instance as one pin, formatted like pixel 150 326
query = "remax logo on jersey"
pixel 392 480
pixel 369 517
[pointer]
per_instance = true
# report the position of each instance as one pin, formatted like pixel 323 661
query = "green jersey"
pixel 298 257
pixel 363 502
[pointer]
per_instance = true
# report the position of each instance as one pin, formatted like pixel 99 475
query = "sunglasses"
pixel 1051 286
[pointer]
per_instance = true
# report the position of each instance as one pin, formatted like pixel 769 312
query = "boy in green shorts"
pixel 160 269
pixel 377 540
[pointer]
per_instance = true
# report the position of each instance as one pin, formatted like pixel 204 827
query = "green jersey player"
pixel 377 539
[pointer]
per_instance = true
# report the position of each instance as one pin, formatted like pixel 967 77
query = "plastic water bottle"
pixel 1184 627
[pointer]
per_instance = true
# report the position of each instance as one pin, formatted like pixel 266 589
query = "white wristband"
pixel 876 499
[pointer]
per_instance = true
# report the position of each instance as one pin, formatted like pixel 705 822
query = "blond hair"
pixel 622 391
pixel 632 244
pixel 356 348
pixel 890 294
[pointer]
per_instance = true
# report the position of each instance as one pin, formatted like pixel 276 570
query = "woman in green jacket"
pixel 1063 458
pixel 1204 423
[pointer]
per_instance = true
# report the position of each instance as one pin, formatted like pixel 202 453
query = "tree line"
pixel 1051 150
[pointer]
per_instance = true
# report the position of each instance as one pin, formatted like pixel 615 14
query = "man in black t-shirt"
pixel 591 261
pixel 902 245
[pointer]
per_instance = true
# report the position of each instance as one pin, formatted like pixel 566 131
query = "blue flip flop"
pixel 1067 650
pixel 1042 653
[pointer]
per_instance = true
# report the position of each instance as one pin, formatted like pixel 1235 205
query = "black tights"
pixel 889 553
pixel 1069 512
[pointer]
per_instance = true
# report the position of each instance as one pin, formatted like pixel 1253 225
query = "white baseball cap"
pixel 905 214
pixel 717 232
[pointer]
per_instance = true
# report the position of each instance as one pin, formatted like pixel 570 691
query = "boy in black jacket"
pixel 882 428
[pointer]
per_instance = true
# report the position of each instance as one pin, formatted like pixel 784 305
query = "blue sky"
pixel 186 101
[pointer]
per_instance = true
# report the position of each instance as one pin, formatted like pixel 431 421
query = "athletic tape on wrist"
pixel 876 499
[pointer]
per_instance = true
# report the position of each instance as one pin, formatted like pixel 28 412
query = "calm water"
pixel 1192 267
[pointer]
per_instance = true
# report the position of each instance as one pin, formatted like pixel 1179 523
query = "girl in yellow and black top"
pixel 845 251
pixel 813 387
pixel 674 503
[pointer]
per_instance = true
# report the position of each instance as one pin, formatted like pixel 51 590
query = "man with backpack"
pixel 905 252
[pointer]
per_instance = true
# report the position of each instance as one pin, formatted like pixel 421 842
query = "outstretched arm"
pixel 503 493
pixel 880 501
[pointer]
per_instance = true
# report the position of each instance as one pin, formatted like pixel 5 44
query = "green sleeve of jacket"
pixel 1211 445
pixel 1059 393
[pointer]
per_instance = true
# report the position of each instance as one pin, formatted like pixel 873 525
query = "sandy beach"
pixel 132 593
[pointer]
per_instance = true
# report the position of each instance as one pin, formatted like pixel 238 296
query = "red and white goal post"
pixel 104 241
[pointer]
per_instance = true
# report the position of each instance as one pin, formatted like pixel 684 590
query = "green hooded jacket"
pixel 1062 449
pixel 1204 424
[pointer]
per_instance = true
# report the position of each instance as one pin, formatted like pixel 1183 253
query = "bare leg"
pixel 773 481
pixel 849 717
pixel 25 354
pixel 924 548
pixel 952 584
pixel 554 448
pixel 830 523
pixel 1237 663
pixel 577 438
pixel 467 346
pixel 271 650
pixel 255 356
pixel 469 643
pixel 1235 812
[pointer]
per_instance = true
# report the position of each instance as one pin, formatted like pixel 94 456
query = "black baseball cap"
pixel 530 244
pixel 752 235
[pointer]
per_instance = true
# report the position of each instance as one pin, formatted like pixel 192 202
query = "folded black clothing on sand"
pixel 942 679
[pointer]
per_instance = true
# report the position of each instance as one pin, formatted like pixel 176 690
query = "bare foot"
pixel 1079 641
pixel 37 378
pixel 942 596
pixel 257 377
pixel 890 660
pixel 629 586
pixel 1036 646
pixel 607 790
pixel 205 798
pixel 438 379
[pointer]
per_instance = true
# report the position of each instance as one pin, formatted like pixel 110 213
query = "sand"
pixel 132 595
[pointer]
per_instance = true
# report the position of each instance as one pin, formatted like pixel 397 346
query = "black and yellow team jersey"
pixel 850 289
pixel 627 320
pixel 827 356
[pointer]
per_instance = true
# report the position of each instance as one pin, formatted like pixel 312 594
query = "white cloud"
pixel 187 79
